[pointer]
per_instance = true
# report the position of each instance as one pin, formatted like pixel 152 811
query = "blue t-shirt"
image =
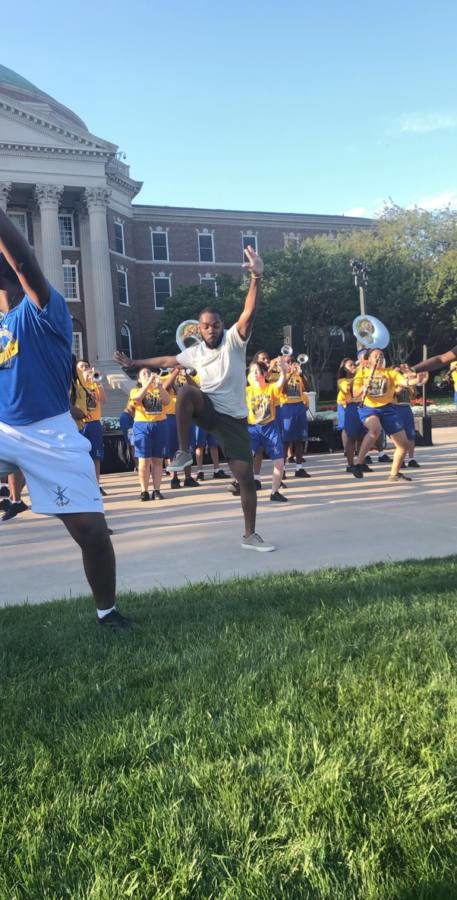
pixel 35 361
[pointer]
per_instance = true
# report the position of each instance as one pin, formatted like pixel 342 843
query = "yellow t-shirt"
pixel 454 378
pixel 382 390
pixel 80 403
pixel 262 404
pixel 150 408
pixel 293 391
pixel 170 408
pixel 93 403
pixel 344 395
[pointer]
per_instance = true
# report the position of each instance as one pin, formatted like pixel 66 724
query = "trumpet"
pixel 302 359
pixel 286 350
pixel 96 376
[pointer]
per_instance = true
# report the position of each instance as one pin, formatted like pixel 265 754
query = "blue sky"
pixel 268 106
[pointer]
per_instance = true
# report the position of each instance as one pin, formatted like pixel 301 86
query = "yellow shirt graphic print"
pixel 382 385
pixel 261 404
pixel 9 348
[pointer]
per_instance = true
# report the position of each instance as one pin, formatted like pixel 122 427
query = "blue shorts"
pixel 455 397
pixel 349 420
pixel 268 438
pixel 125 424
pixel 293 422
pixel 203 438
pixel 150 439
pixel 406 415
pixel 93 431
pixel 388 415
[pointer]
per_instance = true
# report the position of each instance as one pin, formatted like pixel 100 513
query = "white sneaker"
pixel 255 542
pixel 181 460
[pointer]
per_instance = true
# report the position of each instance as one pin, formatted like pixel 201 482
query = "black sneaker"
pixel 116 622
pixel 234 488
pixel 5 504
pixel 221 474
pixel 190 482
pixel 291 459
pixel 399 477
pixel 302 473
pixel 15 507
pixel 413 464
pixel 144 496
pixel 276 497
pixel 157 495
pixel 4 490
pixel 201 475
pixel 364 467
pixel 385 458
pixel 175 482
pixel 103 492
pixel 368 460
pixel 356 471
pixel 258 484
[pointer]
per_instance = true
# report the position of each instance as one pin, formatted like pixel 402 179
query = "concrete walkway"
pixel 194 534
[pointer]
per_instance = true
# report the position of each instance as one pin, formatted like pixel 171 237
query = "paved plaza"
pixel 194 534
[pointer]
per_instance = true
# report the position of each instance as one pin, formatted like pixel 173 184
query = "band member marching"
pixel 263 399
pixel 149 399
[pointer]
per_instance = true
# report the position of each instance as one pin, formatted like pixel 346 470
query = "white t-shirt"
pixel 222 372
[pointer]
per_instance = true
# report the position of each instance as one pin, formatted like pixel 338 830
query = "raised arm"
pixel 436 362
pixel 155 362
pixel 254 265
pixel 22 260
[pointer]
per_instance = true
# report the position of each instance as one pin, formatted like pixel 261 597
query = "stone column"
pixel 48 196
pixel 86 265
pixel 5 189
pixel 102 297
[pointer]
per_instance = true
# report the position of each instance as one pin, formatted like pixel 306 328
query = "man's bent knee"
pixel 87 529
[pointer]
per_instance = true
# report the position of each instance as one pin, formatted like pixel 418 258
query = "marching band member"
pixel 349 422
pixel 262 400
pixel 172 382
pixel 376 384
pixel 92 396
pixel 292 416
pixel 149 400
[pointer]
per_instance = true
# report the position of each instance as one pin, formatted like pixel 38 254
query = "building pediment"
pixel 24 127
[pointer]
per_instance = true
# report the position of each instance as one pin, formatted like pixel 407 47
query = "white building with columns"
pixel 117 263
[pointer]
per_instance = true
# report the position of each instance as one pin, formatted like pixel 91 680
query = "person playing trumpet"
pixel 149 400
pixel 263 400
pixel 90 395
pixel 292 416
pixel 374 386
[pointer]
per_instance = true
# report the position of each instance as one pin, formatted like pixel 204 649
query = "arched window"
pixel 126 339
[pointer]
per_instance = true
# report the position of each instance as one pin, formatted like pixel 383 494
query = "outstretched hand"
pixel 254 262
pixel 122 359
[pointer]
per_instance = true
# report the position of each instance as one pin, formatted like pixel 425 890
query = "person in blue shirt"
pixel 37 433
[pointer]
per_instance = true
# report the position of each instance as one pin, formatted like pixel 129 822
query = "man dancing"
pixel 37 432
pixel 220 406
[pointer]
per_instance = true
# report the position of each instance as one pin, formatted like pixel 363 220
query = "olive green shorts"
pixel 232 434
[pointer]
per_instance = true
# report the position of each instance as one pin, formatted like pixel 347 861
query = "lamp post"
pixel 359 269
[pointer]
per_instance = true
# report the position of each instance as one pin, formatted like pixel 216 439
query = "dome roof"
pixel 18 88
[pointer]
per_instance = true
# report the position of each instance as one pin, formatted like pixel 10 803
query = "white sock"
pixel 101 613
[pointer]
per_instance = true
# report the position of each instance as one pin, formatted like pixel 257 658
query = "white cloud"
pixel 438 201
pixel 356 211
pixel 426 122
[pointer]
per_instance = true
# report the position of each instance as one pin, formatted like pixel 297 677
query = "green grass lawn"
pixel 290 736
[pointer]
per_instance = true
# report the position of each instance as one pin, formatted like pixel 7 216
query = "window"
pixel 122 287
pixel 248 240
pixel 19 219
pixel 70 281
pixel 209 282
pixel 159 245
pixel 162 290
pixel 292 241
pixel 66 230
pixel 205 247
pixel 77 344
pixel 119 238
pixel 126 340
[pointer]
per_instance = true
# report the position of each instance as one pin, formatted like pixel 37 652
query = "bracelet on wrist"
pixel 256 277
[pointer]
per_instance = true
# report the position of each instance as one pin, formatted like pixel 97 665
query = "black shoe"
pixel 14 509
pixel 5 504
pixel 356 471
pixel 413 464
pixel 364 467
pixel 144 495
pixel 221 474
pixel 201 475
pixel 110 531
pixel 190 482
pixel 302 473
pixel 368 460
pixel 4 490
pixel 103 492
pixel 156 495
pixel 175 482
pixel 258 484
pixel 116 622
pixel 234 488
pixel 278 498
pixel 399 477
pixel 385 458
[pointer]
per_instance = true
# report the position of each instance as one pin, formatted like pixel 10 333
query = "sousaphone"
pixel 188 334
pixel 370 333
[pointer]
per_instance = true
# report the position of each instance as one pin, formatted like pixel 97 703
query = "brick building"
pixel 116 262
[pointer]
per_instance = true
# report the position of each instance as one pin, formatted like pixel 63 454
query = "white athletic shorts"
pixel 55 459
